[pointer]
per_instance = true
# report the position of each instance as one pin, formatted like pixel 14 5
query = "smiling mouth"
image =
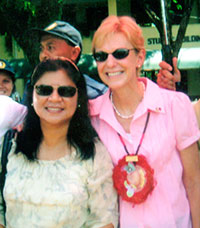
pixel 112 74
pixel 54 109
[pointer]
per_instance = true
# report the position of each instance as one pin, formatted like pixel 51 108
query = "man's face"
pixel 51 47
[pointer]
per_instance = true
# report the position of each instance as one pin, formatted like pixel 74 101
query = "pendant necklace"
pixel 116 110
pixel 133 177
pixel 118 113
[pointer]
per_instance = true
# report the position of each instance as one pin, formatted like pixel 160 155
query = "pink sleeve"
pixel 12 113
pixel 185 122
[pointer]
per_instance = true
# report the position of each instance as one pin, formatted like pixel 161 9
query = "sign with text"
pixel 191 39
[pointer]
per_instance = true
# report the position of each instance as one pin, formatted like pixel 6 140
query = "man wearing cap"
pixel 61 39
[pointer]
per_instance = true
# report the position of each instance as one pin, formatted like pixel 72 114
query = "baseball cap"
pixel 63 30
pixel 5 66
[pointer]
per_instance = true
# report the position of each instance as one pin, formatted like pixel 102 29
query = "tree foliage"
pixel 18 17
pixel 177 12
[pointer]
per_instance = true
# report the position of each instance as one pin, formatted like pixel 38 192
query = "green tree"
pixel 177 12
pixel 19 16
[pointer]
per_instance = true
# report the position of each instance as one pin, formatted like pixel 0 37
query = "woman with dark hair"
pixel 55 174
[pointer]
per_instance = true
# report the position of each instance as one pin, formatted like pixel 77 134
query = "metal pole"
pixel 167 53
pixel 164 19
pixel 112 7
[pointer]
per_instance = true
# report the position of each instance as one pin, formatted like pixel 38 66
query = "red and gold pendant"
pixel 133 178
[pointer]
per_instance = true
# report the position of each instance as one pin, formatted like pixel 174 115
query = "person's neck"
pixel 127 99
pixel 54 143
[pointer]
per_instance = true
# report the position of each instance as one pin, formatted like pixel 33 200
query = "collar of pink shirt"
pixel 152 101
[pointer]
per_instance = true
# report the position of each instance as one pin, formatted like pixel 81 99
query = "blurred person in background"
pixel 7 81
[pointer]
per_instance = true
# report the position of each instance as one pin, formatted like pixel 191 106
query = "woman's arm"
pixel 12 113
pixel 197 111
pixel 191 179
pixel 102 195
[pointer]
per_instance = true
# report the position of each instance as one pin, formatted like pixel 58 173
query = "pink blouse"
pixel 172 127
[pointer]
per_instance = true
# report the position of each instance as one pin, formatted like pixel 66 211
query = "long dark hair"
pixel 80 134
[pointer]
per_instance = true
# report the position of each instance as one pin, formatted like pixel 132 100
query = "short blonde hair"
pixel 119 24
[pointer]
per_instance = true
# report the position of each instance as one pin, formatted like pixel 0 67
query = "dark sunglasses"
pixel 63 91
pixel 120 53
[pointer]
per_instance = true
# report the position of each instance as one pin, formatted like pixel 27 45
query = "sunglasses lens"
pixel 66 91
pixel 44 90
pixel 100 56
pixel 120 53
pixel 63 91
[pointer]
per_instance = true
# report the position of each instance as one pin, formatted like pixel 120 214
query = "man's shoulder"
pixel 94 88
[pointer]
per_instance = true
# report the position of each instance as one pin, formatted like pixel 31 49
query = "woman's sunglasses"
pixel 63 91
pixel 120 53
